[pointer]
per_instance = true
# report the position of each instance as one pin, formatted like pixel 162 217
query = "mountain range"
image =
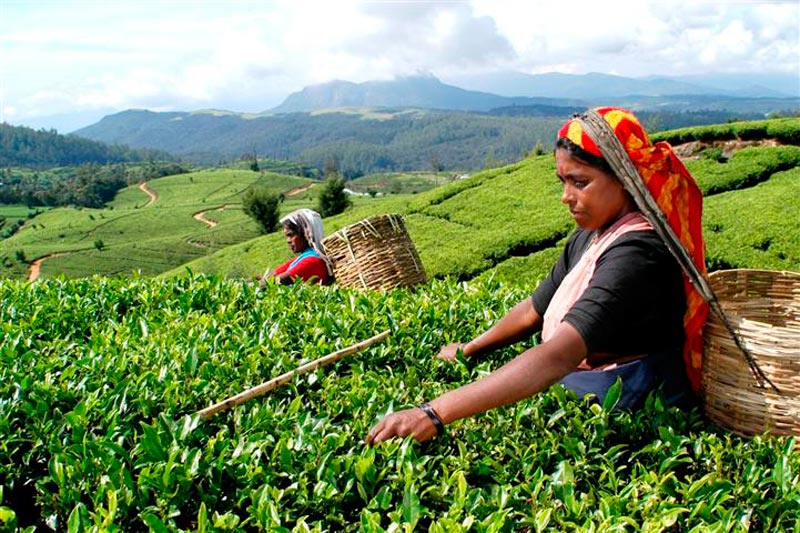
pixel 491 91
pixel 404 123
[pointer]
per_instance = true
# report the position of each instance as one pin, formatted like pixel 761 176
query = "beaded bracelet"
pixel 437 422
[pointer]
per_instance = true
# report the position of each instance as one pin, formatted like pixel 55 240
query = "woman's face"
pixel 595 198
pixel 297 243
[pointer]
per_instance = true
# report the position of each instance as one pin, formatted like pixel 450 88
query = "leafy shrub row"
pixel 99 380
pixel 756 227
pixel 745 168
pixel 784 130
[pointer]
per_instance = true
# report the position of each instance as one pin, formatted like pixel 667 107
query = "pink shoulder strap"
pixel 575 282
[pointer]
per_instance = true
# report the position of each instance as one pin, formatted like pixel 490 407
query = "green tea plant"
pixel 756 227
pixel 784 130
pixel 100 380
pixel 746 168
pixel 462 229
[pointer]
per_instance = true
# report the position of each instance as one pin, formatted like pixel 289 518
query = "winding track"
pixel 149 192
pixel 36 265
pixel 201 216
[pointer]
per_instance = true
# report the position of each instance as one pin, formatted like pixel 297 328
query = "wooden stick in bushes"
pixel 259 390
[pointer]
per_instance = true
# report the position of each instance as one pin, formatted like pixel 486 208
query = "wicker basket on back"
pixel 375 253
pixel 764 309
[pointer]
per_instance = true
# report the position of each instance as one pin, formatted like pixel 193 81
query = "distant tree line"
pixel 88 185
pixel 256 163
pixel 405 141
pixel 263 206
pixel 26 147
pixel 44 168
pixel 396 141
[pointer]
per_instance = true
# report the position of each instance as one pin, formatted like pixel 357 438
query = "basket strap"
pixel 614 153
pixel 346 239
pixel 395 221
pixel 366 224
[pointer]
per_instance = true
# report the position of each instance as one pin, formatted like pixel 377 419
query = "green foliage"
pixel 100 380
pixel 495 222
pixel 756 227
pixel 21 146
pixel 142 236
pixel 784 130
pixel 714 154
pixel 400 182
pixel 745 168
pixel 509 222
pixel 263 206
pixel 333 199
pixel 88 185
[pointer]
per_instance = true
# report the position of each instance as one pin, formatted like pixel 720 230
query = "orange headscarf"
pixel 677 195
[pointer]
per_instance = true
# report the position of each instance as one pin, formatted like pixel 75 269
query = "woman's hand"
pixel 450 352
pixel 413 422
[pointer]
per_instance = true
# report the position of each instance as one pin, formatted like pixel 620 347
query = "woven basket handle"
pixel 614 153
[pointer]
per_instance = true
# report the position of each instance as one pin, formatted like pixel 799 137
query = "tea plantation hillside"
pixel 508 222
pixel 100 380
pixel 150 228
pixel 504 222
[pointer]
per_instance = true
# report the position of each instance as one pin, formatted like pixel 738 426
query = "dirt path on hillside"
pixel 149 192
pixel 298 190
pixel 36 265
pixel 201 216
pixel 210 222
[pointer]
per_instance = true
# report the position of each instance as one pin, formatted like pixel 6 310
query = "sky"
pixel 64 64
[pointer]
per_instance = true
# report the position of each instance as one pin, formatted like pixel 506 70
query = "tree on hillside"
pixel 262 206
pixel 333 199
pixel 252 159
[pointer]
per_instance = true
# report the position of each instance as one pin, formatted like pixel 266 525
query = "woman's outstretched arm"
pixel 529 373
pixel 518 324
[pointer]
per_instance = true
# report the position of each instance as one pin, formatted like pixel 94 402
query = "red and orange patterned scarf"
pixel 677 195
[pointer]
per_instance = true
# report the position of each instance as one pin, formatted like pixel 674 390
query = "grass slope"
pixel 400 182
pixel 504 222
pixel 135 234
pixel 509 223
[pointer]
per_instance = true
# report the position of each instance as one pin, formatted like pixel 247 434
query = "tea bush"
pixel 784 130
pixel 747 167
pixel 100 380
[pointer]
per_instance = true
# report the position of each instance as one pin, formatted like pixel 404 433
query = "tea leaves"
pixel 100 380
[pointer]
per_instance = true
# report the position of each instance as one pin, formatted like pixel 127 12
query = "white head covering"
pixel 309 222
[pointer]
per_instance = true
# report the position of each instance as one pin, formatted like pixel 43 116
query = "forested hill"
pixel 26 147
pixel 360 140
pixel 363 140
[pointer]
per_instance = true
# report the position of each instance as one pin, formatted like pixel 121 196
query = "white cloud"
pixel 247 55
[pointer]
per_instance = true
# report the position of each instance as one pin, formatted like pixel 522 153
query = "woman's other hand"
pixel 411 422
pixel 450 352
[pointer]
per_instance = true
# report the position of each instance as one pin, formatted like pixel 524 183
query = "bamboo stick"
pixel 274 383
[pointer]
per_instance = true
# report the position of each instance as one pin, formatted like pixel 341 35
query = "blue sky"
pixel 84 59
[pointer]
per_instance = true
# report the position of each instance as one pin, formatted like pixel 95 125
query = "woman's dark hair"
pixel 587 157
pixel 291 226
